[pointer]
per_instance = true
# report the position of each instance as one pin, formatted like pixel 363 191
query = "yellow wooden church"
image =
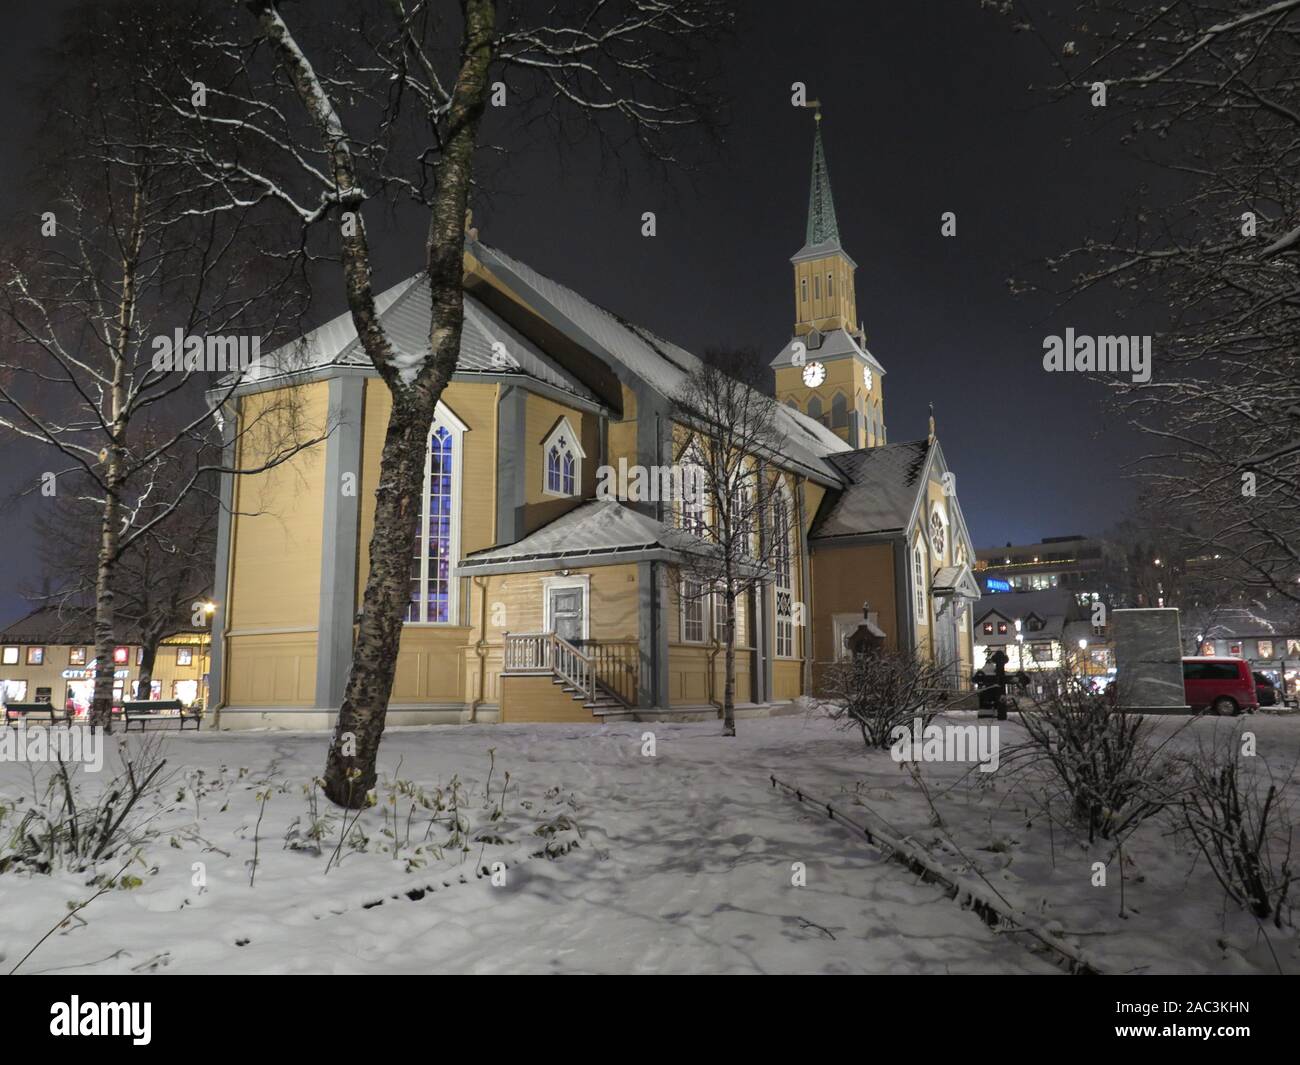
pixel 534 600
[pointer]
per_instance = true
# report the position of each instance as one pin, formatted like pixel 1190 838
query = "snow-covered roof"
pixel 956 580
pixel 663 365
pixel 591 530
pixel 830 345
pixel 405 311
pixel 883 484
pixel 1044 603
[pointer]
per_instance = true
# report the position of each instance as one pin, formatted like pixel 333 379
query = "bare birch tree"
pixel 126 250
pixel 394 99
pixel 727 547
pixel 162 578
pixel 1207 92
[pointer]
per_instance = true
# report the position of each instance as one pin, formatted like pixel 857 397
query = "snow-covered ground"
pixel 683 861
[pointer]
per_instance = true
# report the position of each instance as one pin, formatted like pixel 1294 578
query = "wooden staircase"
pixel 603 676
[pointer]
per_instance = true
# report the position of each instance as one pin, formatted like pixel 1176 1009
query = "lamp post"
pixel 1083 662
pixel 205 646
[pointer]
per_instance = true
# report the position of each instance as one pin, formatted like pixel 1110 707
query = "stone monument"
pixel 1148 660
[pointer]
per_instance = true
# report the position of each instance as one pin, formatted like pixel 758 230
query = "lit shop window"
pixel 184 656
pixel 76 656
pixel 121 656
pixel 36 656
pixel 9 656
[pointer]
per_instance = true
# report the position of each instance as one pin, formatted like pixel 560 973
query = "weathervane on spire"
pixel 932 423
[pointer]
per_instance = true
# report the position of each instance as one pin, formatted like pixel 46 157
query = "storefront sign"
pixel 89 674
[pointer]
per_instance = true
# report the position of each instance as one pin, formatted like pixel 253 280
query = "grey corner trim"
pixel 653 438
pixel 512 457
pixel 340 534
pixel 221 574
pixel 805 587
pixel 652 623
pixel 645 696
pixel 903 594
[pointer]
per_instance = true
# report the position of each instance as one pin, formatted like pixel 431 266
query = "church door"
pixel 566 614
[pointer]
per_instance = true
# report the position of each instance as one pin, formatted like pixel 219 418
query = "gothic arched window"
pixel 437 538
pixel 564 457
pixel 839 411
pixel 815 408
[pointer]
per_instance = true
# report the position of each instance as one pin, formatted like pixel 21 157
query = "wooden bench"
pixel 150 711
pixel 24 712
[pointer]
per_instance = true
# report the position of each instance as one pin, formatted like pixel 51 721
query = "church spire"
pixel 822 227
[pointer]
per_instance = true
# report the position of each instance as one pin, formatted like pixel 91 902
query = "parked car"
pixel 1220 685
pixel 1266 690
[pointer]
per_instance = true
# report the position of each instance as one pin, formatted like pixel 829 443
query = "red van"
pixel 1220 685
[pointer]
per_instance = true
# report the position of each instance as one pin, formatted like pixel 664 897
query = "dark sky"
pixel 927 110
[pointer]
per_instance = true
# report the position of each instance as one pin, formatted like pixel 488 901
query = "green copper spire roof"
pixel 822 227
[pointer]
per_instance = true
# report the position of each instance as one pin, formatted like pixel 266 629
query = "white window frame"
pixel 563 428
pixel 690 456
pixel 919 580
pixel 783 628
pixel 445 419
pixel 694 602
pixel 718 607
pixel 581 581
pixel 940 511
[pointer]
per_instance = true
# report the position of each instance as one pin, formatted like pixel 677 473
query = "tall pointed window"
pixel 694 490
pixel 783 575
pixel 563 456
pixel 815 408
pixel 839 411
pixel 918 581
pixel 803 290
pixel 437 536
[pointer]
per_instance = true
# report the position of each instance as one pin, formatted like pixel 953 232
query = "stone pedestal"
pixel 1148 660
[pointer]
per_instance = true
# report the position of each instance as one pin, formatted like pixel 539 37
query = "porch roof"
pixel 598 532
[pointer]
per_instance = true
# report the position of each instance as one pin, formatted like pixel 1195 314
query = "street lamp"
pixel 209 608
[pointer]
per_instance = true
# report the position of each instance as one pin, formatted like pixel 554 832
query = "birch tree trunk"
pixel 101 706
pixel 350 765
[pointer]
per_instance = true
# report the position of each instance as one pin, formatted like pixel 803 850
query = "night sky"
pixel 927 110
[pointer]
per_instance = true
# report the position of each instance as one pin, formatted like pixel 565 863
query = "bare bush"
pixel 1241 821
pixel 879 692
pixel 1100 758
pixel 64 828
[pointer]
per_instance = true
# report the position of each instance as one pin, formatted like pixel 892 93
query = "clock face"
pixel 866 377
pixel 814 374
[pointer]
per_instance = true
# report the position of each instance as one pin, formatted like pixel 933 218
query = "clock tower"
pixel 826 370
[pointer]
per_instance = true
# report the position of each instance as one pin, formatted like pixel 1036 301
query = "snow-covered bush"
pixel 877 692
pixel 1100 760
pixel 1241 821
